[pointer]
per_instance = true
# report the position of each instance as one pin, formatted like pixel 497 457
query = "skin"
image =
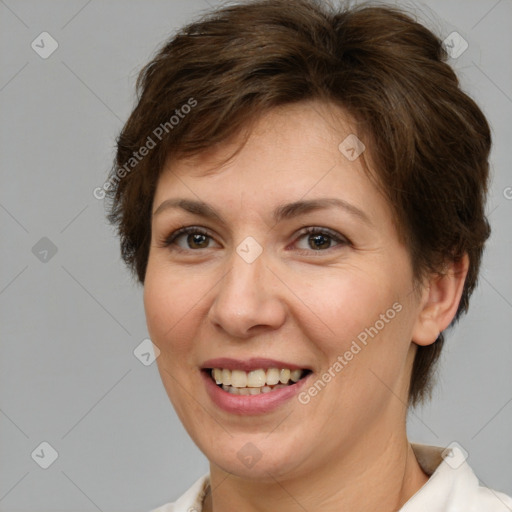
pixel 346 449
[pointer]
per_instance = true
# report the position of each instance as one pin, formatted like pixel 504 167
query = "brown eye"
pixel 197 241
pixel 321 239
pixel 194 239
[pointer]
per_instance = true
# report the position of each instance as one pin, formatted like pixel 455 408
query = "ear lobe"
pixel 439 302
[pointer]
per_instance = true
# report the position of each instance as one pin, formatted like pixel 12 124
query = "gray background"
pixel 70 324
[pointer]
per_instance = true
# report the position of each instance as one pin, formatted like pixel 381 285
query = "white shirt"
pixel 452 487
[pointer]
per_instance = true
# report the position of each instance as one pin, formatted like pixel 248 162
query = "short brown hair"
pixel 428 140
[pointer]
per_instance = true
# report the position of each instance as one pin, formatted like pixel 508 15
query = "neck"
pixel 368 478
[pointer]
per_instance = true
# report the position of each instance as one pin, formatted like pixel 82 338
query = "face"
pixel 291 266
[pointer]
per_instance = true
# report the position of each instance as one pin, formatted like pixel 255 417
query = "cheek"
pixel 169 302
pixel 359 322
pixel 343 304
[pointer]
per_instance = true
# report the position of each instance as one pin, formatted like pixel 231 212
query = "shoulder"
pixel 190 501
pixel 452 486
pixel 490 500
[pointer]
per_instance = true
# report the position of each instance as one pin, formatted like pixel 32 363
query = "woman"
pixel 301 191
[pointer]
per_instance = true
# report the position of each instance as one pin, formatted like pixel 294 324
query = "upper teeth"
pixel 255 378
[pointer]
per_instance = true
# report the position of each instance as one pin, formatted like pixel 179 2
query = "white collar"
pixel 452 486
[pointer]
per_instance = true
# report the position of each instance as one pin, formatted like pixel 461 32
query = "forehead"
pixel 292 152
pixel 289 126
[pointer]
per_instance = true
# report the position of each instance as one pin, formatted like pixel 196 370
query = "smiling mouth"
pixel 255 382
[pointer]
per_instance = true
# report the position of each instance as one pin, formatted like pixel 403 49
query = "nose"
pixel 248 299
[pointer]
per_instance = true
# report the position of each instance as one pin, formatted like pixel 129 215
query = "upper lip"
pixel 248 365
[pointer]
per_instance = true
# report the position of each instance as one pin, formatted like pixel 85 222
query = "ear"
pixel 439 302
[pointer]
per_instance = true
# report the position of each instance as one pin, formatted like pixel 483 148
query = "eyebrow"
pixel 282 212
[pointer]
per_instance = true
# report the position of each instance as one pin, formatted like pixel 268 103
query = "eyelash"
pixel 171 239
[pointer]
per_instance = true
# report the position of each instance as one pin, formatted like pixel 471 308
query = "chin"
pixel 251 462
pixel 257 456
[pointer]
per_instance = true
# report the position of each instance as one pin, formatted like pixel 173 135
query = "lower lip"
pixel 251 404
